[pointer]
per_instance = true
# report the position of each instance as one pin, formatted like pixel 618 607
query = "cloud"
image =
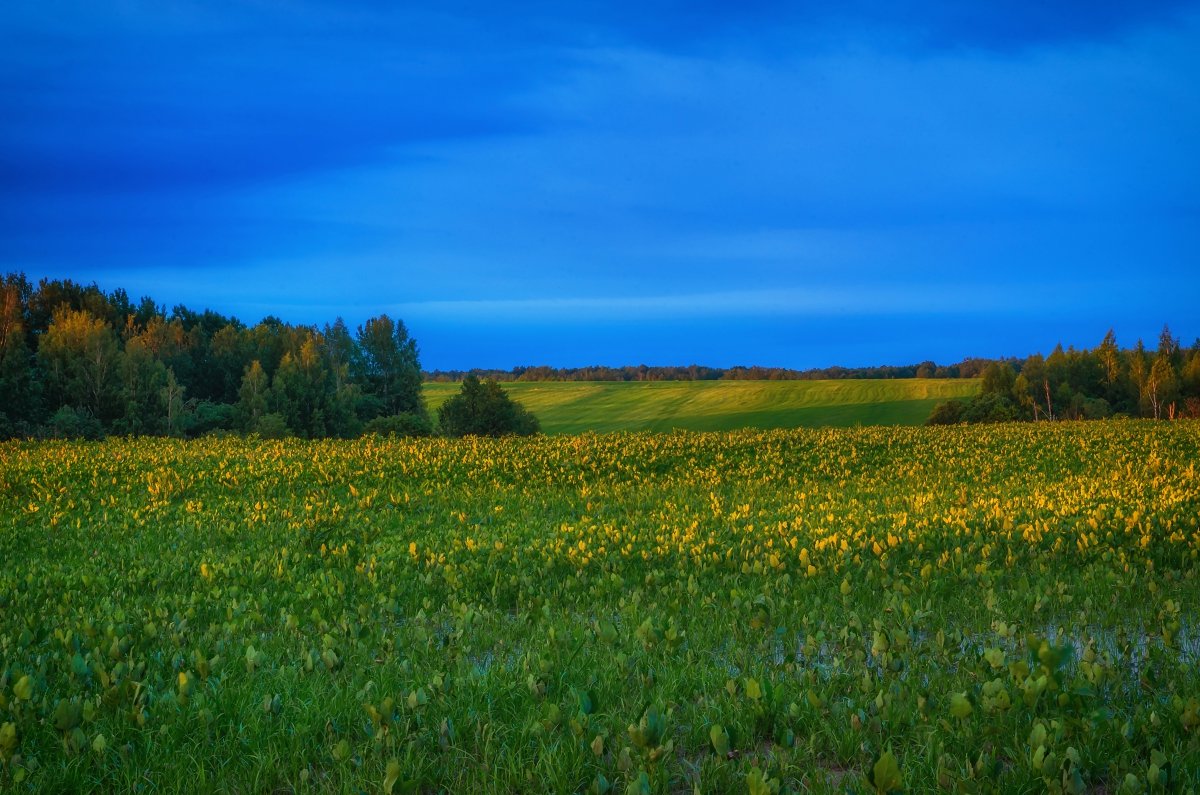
pixel 141 96
pixel 906 298
pixel 196 105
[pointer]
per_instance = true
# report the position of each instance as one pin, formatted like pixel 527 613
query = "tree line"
pixel 76 361
pixel 968 368
pixel 1105 381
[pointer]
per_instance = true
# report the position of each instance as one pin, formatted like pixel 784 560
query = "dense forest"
pixel 76 361
pixel 1086 384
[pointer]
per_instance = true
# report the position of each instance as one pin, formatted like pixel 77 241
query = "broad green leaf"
pixel 720 739
pixel 753 689
pixel 8 737
pixel 885 774
pixel 758 783
pixel 341 751
pixel 639 785
pixel 67 715
pixel 960 706
pixel 391 775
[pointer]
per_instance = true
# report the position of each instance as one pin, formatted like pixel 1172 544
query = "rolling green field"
pixel 579 406
pixel 1000 609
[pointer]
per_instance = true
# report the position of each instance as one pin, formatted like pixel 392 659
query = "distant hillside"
pixel 575 407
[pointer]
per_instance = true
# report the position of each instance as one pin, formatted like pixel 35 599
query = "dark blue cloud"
pixel 187 96
pixel 137 111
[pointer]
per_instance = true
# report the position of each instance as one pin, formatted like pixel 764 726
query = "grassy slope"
pixel 574 407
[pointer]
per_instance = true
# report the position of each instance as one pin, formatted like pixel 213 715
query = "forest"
pixel 76 361
pixel 1075 384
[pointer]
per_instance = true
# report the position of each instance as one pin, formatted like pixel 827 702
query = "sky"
pixel 796 184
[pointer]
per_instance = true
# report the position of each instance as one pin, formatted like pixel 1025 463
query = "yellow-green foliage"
pixel 1009 608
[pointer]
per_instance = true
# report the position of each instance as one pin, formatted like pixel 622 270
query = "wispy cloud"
pixel 866 300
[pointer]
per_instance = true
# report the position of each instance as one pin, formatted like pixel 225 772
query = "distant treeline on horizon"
pixel 76 361
pixel 968 368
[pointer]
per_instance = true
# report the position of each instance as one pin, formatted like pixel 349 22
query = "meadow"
pixel 987 609
pixel 580 406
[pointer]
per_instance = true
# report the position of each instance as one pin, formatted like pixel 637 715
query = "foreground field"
pixel 578 406
pixel 1007 609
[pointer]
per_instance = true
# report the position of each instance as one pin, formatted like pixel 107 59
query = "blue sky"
pixel 796 184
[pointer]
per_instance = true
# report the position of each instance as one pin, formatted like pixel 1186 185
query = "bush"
pixel 368 407
pixel 948 413
pixel 208 417
pixel 19 429
pixel 69 423
pixel 1096 409
pixel 405 423
pixel 992 407
pixel 987 407
pixel 272 426
pixel 483 408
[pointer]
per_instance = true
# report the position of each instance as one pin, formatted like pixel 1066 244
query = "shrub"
pixel 991 407
pixel 406 423
pixel 1096 409
pixel 987 407
pixel 948 413
pixel 483 408
pixel 209 417
pixel 272 426
pixel 69 423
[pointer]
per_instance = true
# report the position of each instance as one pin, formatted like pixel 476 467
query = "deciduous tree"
pixel 19 389
pixel 80 355
pixel 252 397
pixel 387 368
